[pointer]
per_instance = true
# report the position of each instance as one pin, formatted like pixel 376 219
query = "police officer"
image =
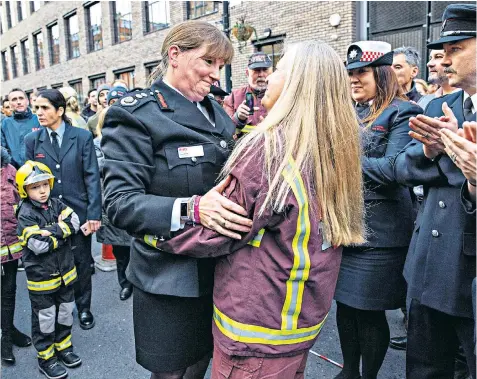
pixel 441 261
pixel 161 146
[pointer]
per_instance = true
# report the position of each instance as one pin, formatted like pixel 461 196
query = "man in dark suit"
pixel 441 263
pixel 69 153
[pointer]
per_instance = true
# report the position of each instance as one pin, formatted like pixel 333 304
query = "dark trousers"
pixel 433 339
pixel 9 289
pixel 84 263
pixel 51 321
pixel 122 254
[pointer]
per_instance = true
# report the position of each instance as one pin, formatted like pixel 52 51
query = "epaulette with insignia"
pixel 136 99
pixel 161 101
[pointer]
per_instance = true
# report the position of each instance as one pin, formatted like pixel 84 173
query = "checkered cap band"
pixel 370 56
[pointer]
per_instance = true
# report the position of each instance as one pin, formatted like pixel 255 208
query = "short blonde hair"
pixel 190 35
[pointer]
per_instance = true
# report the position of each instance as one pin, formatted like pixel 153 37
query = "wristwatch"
pixel 185 211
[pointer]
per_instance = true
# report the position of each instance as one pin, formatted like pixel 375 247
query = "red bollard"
pixel 107 253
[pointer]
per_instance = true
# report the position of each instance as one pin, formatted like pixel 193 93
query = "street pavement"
pixel 107 350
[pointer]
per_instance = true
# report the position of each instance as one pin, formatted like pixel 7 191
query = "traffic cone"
pixel 106 262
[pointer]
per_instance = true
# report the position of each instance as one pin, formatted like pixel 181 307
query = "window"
pixel 54 43
pixel 197 9
pixel 20 11
pixel 57 85
pixel 34 6
pixel 157 15
pixel 126 74
pixel 95 31
pixel 150 66
pixel 25 56
pixel 9 14
pixel 14 55
pixel 96 80
pixel 2 19
pixel 6 75
pixel 72 36
pixel 41 88
pixel 122 20
pixel 77 85
pixel 38 46
pixel 273 47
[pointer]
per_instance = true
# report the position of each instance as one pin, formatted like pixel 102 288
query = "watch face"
pixel 184 210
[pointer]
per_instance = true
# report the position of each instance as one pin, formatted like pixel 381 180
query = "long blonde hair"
pixel 314 122
pixel 71 97
pixel 190 35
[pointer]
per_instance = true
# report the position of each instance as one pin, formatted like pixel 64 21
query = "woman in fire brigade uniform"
pixel 161 146
pixel 298 176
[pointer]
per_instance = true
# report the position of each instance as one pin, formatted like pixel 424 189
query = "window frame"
pixel 73 83
pixel 25 52
pixel 93 78
pixel 90 40
pixel 69 46
pixel 5 71
pixel 116 33
pixel 32 7
pixel 36 55
pixel 126 70
pixel 195 17
pixel 8 14
pixel 147 17
pixel 14 59
pixel 270 41
pixel 49 30
pixel 20 17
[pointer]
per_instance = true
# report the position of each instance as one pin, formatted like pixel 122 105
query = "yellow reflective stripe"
pixel 4 251
pixel 63 344
pixel 55 242
pixel 66 212
pixel 27 233
pixel 301 257
pixel 70 276
pixel 47 354
pixel 151 240
pixel 248 128
pixel 65 228
pixel 245 333
pixel 17 246
pixel 45 285
pixel 257 240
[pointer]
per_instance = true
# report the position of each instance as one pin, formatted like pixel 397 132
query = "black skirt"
pixel 171 333
pixel 372 279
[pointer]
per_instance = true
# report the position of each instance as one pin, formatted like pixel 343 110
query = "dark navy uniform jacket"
pixel 388 205
pixel 144 174
pixel 441 263
pixel 77 181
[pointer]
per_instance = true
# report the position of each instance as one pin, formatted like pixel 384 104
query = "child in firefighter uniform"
pixel 44 227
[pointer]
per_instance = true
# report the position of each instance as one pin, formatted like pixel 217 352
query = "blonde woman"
pixel 72 107
pixel 298 176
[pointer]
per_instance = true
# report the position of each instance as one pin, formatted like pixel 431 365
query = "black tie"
pixel 468 115
pixel 56 145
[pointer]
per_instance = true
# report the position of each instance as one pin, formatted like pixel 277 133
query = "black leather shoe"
pixel 125 293
pixel 19 339
pixel 52 369
pixel 69 359
pixel 7 350
pixel 398 343
pixel 86 319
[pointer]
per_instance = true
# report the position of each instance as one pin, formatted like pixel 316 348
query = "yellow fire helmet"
pixel 32 172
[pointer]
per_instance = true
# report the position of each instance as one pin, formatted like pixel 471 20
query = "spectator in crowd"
pixel 259 67
pixel 121 83
pixel 441 261
pixel 92 107
pixel 108 233
pixel 406 66
pixel 421 86
pixel 15 128
pixel 72 107
pixel 147 186
pixel 6 108
pixel 70 153
pixel 10 254
pixel 438 77
pixel 217 93
pixel 32 99
pixel 261 316
pixel 45 225
pixel 103 91
pixel 377 264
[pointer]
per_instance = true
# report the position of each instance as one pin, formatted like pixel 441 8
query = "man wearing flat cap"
pixel 441 262
pixel 259 67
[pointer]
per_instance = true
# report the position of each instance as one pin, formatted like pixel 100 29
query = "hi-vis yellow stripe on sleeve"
pixel 301 257
pixel 27 233
pixel 244 333
pixel 66 212
pixel 245 129
pixel 257 240
pixel 64 228
pixel 13 248
pixel 151 240
pixel 70 276
pixel 46 285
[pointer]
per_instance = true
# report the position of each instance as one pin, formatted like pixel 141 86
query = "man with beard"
pixel 436 76
pixel 259 67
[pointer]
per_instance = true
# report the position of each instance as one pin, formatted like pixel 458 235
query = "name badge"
pixel 191 151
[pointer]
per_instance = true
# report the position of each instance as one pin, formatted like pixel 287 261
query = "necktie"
pixel 468 115
pixel 54 142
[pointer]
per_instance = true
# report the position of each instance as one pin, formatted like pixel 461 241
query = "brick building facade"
pixel 138 52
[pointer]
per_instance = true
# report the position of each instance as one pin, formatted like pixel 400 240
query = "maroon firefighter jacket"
pixel 273 289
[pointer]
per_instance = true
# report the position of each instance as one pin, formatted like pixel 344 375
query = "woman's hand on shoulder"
pixel 221 214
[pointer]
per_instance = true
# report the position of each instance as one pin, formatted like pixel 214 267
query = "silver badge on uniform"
pixel 128 101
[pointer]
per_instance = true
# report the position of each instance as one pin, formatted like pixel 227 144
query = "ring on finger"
pixel 224 223
pixel 453 157
pixel 426 136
